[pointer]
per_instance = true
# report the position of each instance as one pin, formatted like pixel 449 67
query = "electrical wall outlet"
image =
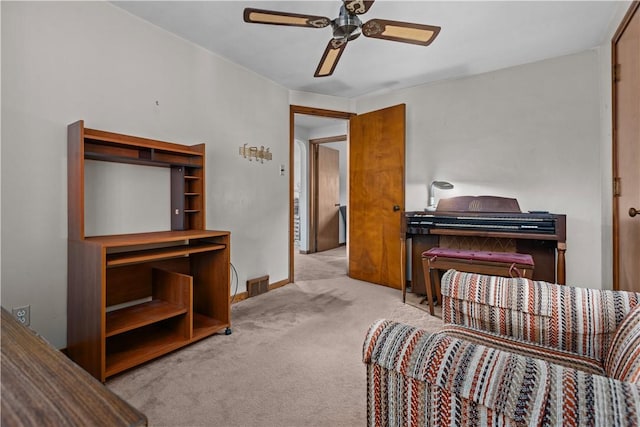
pixel 23 314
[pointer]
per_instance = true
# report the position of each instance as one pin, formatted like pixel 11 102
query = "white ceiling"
pixel 476 37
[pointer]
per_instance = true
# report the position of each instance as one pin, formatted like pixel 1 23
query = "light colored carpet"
pixel 417 302
pixel 294 358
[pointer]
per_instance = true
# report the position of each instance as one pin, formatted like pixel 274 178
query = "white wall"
pixel 532 132
pixel 65 61
pixel 122 198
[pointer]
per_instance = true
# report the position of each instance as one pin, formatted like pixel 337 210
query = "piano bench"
pixel 507 264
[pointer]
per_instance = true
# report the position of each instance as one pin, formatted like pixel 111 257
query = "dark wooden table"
pixel 42 387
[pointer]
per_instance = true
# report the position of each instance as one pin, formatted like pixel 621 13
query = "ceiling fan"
pixel 347 27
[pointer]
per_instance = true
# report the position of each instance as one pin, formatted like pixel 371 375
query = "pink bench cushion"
pixel 506 257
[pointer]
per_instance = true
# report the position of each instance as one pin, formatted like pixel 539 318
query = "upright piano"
pixel 488 223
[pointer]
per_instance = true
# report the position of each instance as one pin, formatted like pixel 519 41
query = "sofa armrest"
pixel 418 378
pixel 577 320
pixel 410 371
pixel 579 398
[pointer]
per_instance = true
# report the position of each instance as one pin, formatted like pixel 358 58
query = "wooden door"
pixel 328 201
pixel 376 196
pixel 626 152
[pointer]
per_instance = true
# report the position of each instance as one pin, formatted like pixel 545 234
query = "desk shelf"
pixel 158 254
pixel 167 288
pixel 140 315
pixel 141 345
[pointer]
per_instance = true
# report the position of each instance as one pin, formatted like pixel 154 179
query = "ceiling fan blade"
pixel 330 57
pixel 398 31
pixel 259 16
pixel 357 7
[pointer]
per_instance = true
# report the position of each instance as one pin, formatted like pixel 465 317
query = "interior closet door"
pixel 626 152
pixel 328 202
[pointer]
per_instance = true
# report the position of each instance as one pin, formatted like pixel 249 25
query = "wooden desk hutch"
pixel 171 288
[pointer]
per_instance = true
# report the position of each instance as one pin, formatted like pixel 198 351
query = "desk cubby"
pixel 134 297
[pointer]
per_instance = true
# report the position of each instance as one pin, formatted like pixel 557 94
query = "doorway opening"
pixel 318 193
pixel 327 180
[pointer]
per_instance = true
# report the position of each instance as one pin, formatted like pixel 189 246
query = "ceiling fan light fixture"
pixel 346 26
pixel 340 34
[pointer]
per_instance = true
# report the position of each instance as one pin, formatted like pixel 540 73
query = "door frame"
pixel 313 186
pixel 633 8
pixel 311 111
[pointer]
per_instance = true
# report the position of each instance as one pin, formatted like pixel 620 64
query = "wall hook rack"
pixel 256 153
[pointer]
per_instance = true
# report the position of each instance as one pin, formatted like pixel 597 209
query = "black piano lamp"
pixel 442 185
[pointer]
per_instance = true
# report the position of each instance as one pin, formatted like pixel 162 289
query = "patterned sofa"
pixel 513 352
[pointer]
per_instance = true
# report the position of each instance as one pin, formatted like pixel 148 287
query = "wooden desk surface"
pixel 42 387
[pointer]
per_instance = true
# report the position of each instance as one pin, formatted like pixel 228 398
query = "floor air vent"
pixel 257 286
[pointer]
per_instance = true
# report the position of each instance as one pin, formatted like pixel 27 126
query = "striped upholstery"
pixel 577 398
pixel 623 360
pixel 526 348
pixel 577 320
pixel 397 400
pixel 409 365
pixel 417 379
pixel 513 352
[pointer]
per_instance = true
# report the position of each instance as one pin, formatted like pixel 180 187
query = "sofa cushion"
pixel 526 348
pixel 577 320
pixel 499 292
pixel 623 360
pixel 514 386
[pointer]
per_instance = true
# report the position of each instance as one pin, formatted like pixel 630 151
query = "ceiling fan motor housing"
pixel 346 25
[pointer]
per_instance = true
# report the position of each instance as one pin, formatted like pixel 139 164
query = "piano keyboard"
pixel 524 223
